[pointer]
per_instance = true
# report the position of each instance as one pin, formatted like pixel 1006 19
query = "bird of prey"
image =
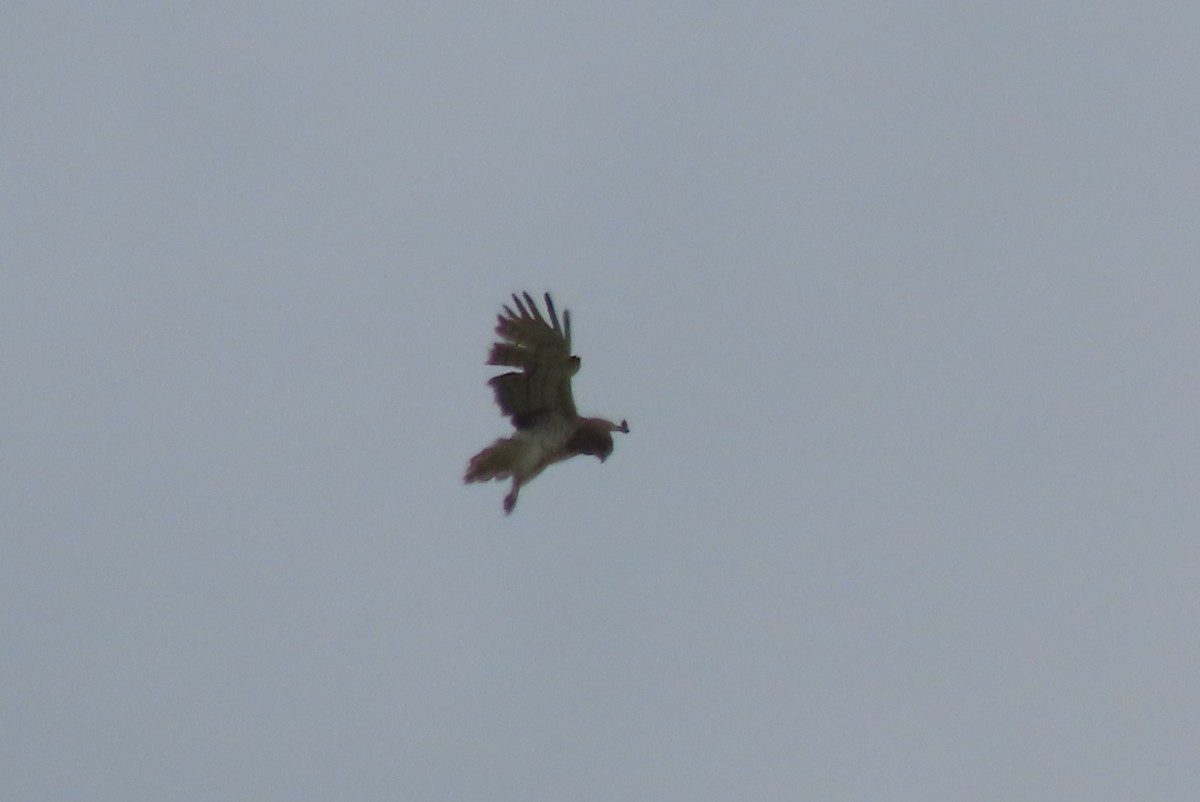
pixel 537 399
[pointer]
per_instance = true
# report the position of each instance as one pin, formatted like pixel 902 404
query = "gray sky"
pixel 900 301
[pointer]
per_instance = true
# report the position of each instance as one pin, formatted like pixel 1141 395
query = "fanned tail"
pixel 494 462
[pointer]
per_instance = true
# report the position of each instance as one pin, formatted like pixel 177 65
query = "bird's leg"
pixel 510 500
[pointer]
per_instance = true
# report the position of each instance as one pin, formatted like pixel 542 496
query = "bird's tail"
pixel 494 462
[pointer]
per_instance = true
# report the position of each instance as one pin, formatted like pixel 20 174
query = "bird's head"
pixel 594 436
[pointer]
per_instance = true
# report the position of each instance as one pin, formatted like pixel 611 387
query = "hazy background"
pixel 900 300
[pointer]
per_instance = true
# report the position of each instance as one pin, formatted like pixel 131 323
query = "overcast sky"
pixel 900 301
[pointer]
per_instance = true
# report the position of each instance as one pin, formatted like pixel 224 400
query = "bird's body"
pixel 538 401
pixel 526 454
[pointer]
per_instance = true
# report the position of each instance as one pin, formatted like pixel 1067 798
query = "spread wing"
pixel 541 348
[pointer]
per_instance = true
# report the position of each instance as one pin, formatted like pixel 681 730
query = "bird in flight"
pixel 537 399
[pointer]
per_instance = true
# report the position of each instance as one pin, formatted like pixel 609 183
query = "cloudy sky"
pixel 900 300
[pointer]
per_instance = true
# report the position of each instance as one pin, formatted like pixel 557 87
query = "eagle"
pixel 537 399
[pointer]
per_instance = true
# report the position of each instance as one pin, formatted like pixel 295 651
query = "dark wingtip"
pixel 534 312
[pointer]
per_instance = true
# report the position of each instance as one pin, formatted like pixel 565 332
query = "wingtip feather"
pixel 534 312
